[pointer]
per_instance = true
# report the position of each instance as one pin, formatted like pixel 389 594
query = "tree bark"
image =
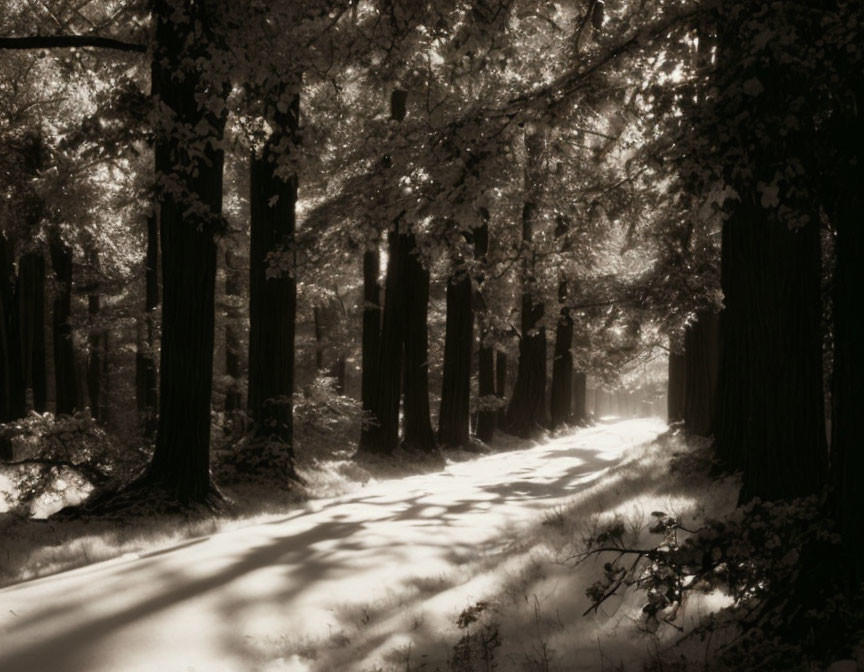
pixel 371 339
pixel 233 297
pixel 417 425
pixel 31 313
pixel 501 383
pixel 487 418
pixel 526 415
pixel 66 379
pixel 273 291
pixel 580 395
pixel 702 357
pixel 382 434
pixel 189 221
pixel 13 401
pixel 454 421
pixel 847 456
pixel 675 385
pixel 770 414
pixel 145 357
pixel 95 361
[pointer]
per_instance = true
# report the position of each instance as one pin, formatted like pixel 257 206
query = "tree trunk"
pixel 702 357
pixel 66 378
pixel 145 356
pixel 675 385
pixel 417 433
pixel 371 342
pixel 95 358
pixel 382 435
pixel 580 398
pixel 31 314
pixel 526 415
pixel 319 338
pixel 273 292
pixel 770 414
pixel 487 418
pixel 501 383
pixel 233 297
pixel 847 456
pixel 189 221
pixel 380 429
pixel 454 417
pixel 562 363
pixel 13 401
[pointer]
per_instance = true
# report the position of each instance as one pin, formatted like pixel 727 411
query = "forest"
pixel 431 335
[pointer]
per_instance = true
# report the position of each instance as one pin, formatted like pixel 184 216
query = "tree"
pixel 272 286
pixel 562 360
pixel 454 416
pixel 190 206
pixel 701 360
pixel 417 426
pixel 487 419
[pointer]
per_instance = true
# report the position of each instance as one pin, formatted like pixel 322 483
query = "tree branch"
pixel 67 41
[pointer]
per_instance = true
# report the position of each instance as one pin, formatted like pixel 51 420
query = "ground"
pixel 374 580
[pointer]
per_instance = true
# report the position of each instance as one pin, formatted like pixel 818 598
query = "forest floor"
pixel 376 579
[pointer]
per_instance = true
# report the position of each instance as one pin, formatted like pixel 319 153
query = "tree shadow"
pixel 329 541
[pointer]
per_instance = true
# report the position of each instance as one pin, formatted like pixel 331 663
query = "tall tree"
pixel 526 414
pixel 190 206
pixel 454 420
pixel 272 285
pixel 562 361
pixel 701 360
pixel 487 419
pixel 65 371
pixel 30 292
pixel 146 385
pixel 417 425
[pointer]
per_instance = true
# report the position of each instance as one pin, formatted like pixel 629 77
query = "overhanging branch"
pixel 67 41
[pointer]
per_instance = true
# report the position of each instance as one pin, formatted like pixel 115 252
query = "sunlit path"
pixel 208 603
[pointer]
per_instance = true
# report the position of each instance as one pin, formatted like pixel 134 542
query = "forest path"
pixel 214 604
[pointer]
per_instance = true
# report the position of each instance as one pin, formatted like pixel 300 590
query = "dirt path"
pixel 215 603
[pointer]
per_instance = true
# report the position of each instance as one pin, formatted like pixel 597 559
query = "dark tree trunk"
pixel 380 382
pixel 702 359
pixel 454 418
pixel 501 383
pixel 382 435
pixel 319 338
pixel 487 418
pixel 273 295
pixel 31 315
pixel 562 362
pixel 13 400
pixel 675 385
pixel 66 379
pixel 770 413
pixel 96 362
pixel 847 455
pixel 233 297
pixel 417 432
pixel 526 415
pixel 189 222
pixel 580 394
pixel 371 342
pixel 145 357
pixel 338 372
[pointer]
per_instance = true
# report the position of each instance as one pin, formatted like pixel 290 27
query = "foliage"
pixel 475 651
pixel 771 558
pixel 55 455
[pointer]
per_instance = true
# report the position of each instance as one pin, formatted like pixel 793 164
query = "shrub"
pixel 50 456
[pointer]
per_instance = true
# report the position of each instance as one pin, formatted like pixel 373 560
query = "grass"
pixel 535 596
